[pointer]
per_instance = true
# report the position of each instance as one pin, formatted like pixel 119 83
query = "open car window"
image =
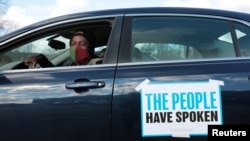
pixel 40 46
pixel 55 46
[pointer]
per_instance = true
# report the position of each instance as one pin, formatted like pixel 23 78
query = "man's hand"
pixel 33 60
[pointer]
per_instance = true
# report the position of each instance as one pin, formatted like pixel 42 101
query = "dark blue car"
pixel 167 74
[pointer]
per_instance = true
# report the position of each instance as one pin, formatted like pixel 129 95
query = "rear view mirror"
pixel 56 44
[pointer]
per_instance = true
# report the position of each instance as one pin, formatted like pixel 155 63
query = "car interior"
pixel 177 39
pixel 55 46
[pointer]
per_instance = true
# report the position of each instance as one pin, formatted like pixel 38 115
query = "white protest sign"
pixel 180 109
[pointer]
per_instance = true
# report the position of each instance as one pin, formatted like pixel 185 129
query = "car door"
pixel 181 73
pixel 63 102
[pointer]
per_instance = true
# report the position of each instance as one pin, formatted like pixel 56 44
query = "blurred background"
pixel 15 14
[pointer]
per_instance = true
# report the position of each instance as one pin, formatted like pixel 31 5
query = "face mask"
pixel 79 54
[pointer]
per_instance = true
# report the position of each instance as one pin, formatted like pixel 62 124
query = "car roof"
pixel 145 10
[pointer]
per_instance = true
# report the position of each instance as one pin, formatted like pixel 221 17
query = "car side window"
pixel 55 47
pixel 180 38
pixel 40 46
pixel 243 38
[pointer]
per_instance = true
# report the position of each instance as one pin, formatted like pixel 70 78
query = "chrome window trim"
pixel 187 60
pixel 170 62
pixel 55 24
pixel 191 15
pixel 54 69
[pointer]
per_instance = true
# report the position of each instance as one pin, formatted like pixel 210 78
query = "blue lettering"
pixel 148 100
pixel 183 100
pixel 213 100
pixel 205 101
pixel 165 100
pixel 157 101
pixel 198 99
pixel 175 100
pixel 190 100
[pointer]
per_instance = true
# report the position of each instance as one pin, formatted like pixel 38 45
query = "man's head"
pixel 88 39
pixel 82 46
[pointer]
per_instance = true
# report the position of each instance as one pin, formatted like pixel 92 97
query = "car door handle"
pixel 85 84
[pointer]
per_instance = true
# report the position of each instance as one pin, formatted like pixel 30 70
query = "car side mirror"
pixel 57 44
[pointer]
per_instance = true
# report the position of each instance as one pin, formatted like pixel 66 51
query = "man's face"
pixel 80 41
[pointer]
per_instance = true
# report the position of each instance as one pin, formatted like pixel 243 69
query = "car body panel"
pixel 128 100
pixel 36 106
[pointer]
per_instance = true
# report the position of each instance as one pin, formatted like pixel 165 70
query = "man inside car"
pixel 82 45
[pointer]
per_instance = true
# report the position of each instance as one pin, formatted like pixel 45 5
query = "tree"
pixel 3 8
pixel 6 25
